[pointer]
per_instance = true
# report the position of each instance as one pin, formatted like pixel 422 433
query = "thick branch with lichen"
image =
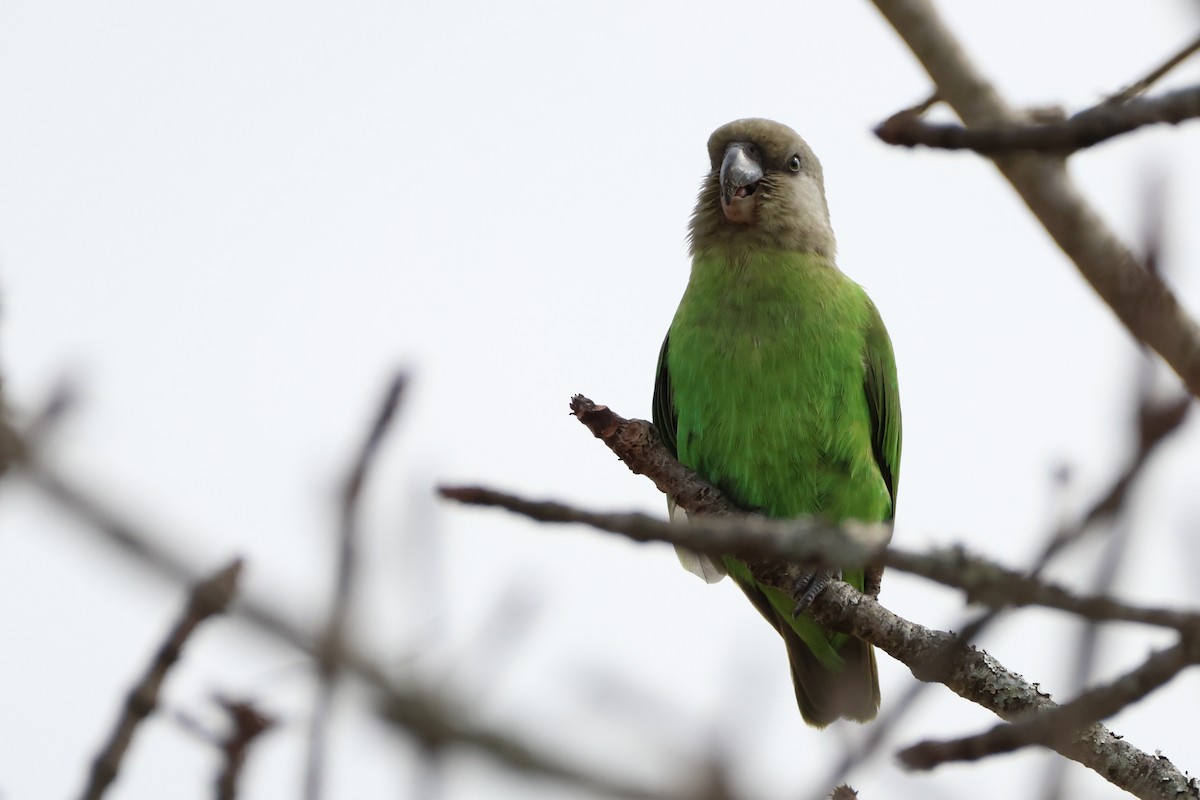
pixel 1059 724
pixel 931 655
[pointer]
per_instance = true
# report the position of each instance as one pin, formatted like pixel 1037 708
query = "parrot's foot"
pixel 811 582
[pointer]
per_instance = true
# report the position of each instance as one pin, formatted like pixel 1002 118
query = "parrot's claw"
pixel 812 582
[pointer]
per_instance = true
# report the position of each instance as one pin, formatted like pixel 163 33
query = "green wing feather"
pixel 883 401
pixel 663 411
pixel 666 422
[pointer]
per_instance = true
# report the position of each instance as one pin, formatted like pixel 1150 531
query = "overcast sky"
pixel 229 222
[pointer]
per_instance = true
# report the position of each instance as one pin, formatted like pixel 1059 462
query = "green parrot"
pixel 777 383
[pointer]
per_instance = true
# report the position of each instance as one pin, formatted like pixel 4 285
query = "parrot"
pixel 776 382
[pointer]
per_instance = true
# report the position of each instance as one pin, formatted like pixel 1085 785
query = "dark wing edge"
pixel 883 402
pixel 666 421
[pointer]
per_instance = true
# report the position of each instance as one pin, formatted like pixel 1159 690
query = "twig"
pixel 746 536
pixel 806 539
pixel 209 597
pixel 1140 299
pixel 1085 129
pixel 1156 422
pixel 991 584
pixel 330 653
pixel 976 676
pixel 1121 534
pixel 247 725
pixel 1058 726
pixel 436 726
pixel 636 443
pixel 1139 86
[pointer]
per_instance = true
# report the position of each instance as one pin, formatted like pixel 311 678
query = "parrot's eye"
pixel 793 163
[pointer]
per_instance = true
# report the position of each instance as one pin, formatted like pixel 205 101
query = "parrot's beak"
pixel 740 175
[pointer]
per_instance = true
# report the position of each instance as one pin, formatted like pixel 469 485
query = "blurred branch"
pixel 1140 299
pixel 1148 434
pixel 438 723
pixel 210 596
pixel 432 720
pixel 10 451
pixel 1141 85
pixel 329 653
pixel 1082 130
pixel 1156 421
pixel 9 441
pixel 247 725
pixel 415 709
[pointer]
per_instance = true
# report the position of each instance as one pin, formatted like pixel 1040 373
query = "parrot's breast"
pixel 767 370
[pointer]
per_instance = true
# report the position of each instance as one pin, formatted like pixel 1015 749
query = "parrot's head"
pixel 764 190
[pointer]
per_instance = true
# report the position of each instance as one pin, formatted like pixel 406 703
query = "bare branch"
pixel 329 654
pixel 931 655
pixel 637 444
pixel 804 539
pixel 1058 726
pixel 746 536
pixel 247 725
pixel 1146 306
pixel 1082 130
pixel 1155 423
pixel 1121 531
pixel 976 676
pixel 210 596
pixel 415 709
pixel 1139 86
pixel 432 720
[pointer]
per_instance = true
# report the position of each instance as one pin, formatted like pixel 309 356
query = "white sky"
pixel 229 221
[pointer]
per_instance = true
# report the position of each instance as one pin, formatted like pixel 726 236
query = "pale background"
pixel 229 221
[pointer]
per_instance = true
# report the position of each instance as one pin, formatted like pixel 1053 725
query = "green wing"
pixel 666 422
pixel 663 411
pixel 883 402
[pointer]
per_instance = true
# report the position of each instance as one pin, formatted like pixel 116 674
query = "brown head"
pixel 764 191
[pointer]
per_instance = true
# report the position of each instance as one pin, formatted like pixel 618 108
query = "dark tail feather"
pixel 824 695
